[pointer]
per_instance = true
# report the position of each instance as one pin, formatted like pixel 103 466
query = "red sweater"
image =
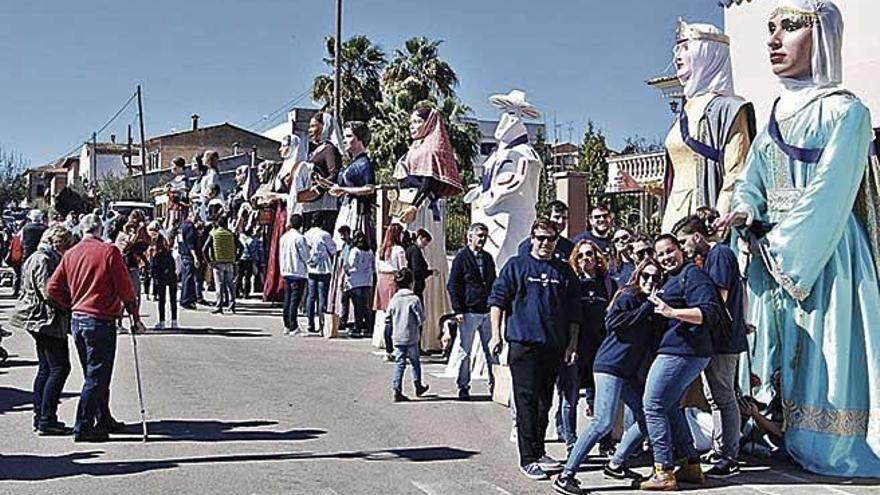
pixel 92 279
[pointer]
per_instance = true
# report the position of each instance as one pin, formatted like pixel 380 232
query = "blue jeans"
pixel 668 379
pixel 363 314
pixel 610 390
pixel 568 385
pixel 473 323
pixel 401 354
pixel 188 281
pixel 54 359
pixel 96 346
pixel 293 292
pixel 319 285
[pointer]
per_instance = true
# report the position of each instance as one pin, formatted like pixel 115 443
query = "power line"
pixel 283 108
pixel 103 127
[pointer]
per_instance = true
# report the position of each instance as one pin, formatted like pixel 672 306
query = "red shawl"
pixel 434 157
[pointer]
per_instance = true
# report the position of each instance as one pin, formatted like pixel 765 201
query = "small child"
pixel 407 315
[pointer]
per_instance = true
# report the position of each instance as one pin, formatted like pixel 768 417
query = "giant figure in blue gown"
pixel 809 194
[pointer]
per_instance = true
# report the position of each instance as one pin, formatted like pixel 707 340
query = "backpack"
pixel 722 327
pixel 15 251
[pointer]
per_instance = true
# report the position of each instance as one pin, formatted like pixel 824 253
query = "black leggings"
pixel 160 294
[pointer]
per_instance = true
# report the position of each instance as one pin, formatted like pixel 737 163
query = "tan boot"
pixel 690 473
pixel 661 481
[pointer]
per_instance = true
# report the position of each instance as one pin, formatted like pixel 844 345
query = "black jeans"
pixel 293 293
pixel 533 369
pixel 188 281
pixel 363 314
pixel 54 367
pixel 172 299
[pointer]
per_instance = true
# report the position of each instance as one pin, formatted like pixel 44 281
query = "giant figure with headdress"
pixel 808 201
pixel 708 143
pixel 507 194
pixel 426 175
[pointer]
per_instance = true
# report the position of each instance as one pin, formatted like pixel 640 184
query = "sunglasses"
pixel 586 254
pixel 653 277
pixel 623 238
pixel 599 217
pixel 545 238
pixel 644 252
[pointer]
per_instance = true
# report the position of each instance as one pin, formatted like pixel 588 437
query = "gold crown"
pixel 685 32
pixel 805 16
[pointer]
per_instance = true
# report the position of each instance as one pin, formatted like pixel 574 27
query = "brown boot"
pixel 690 473
pixel 661 481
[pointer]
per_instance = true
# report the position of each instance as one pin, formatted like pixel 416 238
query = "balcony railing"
pixel 647 169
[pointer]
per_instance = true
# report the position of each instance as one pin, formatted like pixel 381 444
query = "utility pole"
pixel 93 163
pixel 143 145
pixel 337 49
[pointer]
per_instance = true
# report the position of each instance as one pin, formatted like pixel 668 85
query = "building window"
pixel 41 190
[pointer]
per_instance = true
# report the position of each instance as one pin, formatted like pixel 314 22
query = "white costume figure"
pixel 508 192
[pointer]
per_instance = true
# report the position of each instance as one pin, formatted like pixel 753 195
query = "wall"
pixel 747 26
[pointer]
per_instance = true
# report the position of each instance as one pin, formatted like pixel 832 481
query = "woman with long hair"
pixel 632 334
pixel 392 257
pixel 164 272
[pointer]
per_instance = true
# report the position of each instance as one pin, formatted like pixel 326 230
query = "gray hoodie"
pixel 407 317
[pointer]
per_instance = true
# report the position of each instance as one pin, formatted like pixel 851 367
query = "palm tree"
pixel 361 66
pixel 418 69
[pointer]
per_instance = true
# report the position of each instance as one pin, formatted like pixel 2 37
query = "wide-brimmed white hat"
pixel 516 99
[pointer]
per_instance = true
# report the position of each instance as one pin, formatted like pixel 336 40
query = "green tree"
pixel 591 159
pixel 121 187
pixel 361 66
pixel 547 186
pixel 417 73
pixel 639 144
pixel 13 186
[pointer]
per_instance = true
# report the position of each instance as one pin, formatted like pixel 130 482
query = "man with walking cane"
pixel 93 283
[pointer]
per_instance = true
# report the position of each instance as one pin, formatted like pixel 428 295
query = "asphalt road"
pixel 234 407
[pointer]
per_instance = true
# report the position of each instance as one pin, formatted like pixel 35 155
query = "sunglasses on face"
pixel 599 216
pixel 620 239
pixel 642 253
pixel 545 238
pixel 586 254
pixel 653 277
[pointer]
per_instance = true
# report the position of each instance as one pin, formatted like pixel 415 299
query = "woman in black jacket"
pixel 632 334
pixel 163 269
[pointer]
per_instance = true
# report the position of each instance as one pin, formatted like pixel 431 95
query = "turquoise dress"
pixel 817 307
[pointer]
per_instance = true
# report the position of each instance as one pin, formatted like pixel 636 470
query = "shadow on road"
pixel 27 467
pixel 16 399
pixel 183 430
pixel 18 363
pixel 208 331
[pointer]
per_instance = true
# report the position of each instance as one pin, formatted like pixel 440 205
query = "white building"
pixel 746 24
pixel 97 160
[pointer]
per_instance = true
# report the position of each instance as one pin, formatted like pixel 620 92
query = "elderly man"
pixel 92 282
pixel 31 233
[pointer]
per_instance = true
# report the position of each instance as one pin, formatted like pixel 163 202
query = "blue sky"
pixel 69 66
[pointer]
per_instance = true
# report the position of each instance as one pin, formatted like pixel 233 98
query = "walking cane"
pixel 137 375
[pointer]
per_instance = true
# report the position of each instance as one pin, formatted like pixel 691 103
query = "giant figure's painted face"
pixel 510 127
pixel 682 61
pixel 791 44
pixel 415 125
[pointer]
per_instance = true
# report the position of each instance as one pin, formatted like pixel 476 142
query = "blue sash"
pixel 699 148
pixel 805 155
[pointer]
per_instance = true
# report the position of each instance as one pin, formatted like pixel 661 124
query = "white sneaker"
pixel 173 323
pixel 160 326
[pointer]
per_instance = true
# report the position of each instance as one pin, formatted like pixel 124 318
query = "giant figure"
pixel 707 146
pixel 809 199
pixel 508 192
